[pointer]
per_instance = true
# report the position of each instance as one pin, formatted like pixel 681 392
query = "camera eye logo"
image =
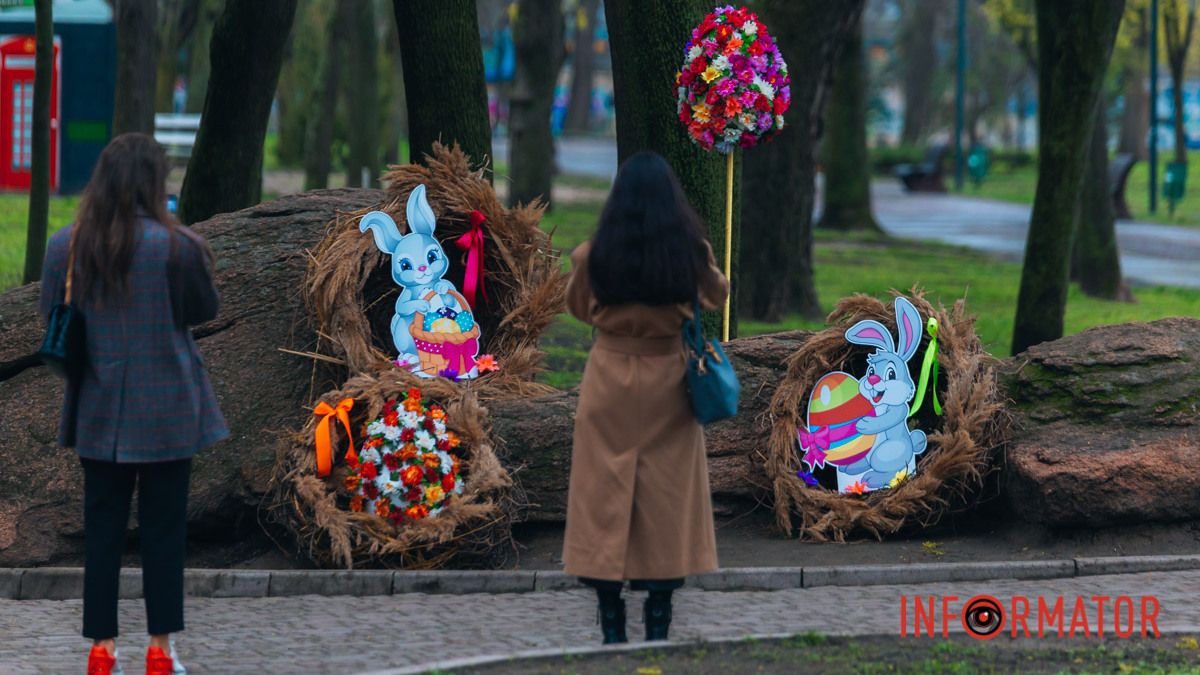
pixel 983 617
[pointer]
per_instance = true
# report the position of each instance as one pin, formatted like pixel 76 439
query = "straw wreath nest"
pixel 350 295
pixel 962 441
pixel 350 292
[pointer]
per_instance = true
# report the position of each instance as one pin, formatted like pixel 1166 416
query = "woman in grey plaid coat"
pixel 144 405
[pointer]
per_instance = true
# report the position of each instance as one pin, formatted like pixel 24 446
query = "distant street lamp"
pixel 959 86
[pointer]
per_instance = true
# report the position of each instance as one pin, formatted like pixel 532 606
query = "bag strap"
pixel 70 265
pixel 693 331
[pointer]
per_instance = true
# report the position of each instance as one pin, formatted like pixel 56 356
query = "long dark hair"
pixel 649 247
pixel 130 180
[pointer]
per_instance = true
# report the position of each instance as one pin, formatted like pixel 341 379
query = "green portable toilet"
pixel 82 93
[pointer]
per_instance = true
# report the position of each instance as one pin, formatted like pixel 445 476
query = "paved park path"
pixel 311 634
pixel 1150 253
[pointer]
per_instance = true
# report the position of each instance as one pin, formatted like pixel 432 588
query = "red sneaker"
pixel 158 662
pixel 100 662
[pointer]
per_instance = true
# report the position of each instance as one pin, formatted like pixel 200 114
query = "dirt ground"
pixel 816 654
pixel 753 541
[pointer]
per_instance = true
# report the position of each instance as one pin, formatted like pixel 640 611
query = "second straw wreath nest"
pixel 962 442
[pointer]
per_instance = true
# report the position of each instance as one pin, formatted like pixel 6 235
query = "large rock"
pixel 536 433
pixel 1106 426
pixel 262 254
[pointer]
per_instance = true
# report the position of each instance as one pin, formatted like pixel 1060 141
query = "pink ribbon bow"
pixel 472 243
pixel 815 443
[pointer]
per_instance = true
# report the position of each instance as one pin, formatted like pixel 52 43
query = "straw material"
pixel 351 295
pixel 962 442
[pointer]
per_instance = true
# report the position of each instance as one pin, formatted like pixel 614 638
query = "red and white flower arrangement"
pixel 734 87
pixel 405 470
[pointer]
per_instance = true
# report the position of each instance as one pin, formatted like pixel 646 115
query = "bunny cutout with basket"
pixel 433 328
pixel 889 388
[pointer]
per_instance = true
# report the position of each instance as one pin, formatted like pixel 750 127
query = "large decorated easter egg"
pixel 833 407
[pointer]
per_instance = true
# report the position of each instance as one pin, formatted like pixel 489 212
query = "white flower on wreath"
pixel 748 121
pixel 376 428
pixel 447 462
pixel 694 53
pixel 764 87
pixel 721 63
pixel 410 419
pixel 750 28
pixel 779 121
pixel 425 440
pixel 370 455
pixel 440 427
pixel 391 433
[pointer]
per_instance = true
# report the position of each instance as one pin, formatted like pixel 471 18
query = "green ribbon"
pixel 930 366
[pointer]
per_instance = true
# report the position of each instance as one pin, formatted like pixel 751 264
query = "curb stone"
pixel 66 583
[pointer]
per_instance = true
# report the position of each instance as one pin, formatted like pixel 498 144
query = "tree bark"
pixel 583 68
pixel 363 98
pixel 318 144
pixel 1135 120
pixel 1095 260
pixel 444 84
pixel 39 139
pixel 200 66
pixel 778 191
pixel 918 53
pixel 225 171
pixel 847 167
pixel 647 40
pixel 538 43
pixel 1075 41
pixel 137 23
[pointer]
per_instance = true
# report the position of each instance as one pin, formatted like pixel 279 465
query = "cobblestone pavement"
pixel 311 634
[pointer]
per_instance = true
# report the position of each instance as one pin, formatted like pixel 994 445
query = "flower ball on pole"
pixel 732 92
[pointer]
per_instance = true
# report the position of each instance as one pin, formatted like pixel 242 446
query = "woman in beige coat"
pixel 639 506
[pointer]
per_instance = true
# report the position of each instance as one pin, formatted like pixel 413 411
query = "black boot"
pixel 612 616
pixel 657 615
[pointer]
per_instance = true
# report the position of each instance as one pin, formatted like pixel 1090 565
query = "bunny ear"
pixel 872 334
pixel 420 216
pixel 908 327
pixel 387 234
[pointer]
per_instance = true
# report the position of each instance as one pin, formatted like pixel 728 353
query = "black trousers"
pixel 162 522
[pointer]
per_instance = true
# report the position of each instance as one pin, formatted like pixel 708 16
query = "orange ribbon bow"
pixel 323 439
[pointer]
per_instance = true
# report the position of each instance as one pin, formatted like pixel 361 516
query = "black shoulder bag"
pixel 64 349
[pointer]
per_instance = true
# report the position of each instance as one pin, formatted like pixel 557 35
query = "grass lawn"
pixel 813 653
pixel 14 214
pixel 874 266
pixel 1019 185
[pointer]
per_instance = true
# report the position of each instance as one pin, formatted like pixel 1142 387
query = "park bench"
pixel 177 133
pixel 925 176
pixel 1118 176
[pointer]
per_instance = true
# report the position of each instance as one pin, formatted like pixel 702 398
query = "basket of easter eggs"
pixel 447 337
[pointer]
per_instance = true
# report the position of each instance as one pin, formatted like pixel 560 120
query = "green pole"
pixel 959 87
pixel 1153 105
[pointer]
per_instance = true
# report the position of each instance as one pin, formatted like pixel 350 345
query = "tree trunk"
pixel 318 145
pixel 363 97
pixel 778 191
pixel 583 69
pixel 918 53
pixel 1179 30
pixel 1135 120
pixel 538 43
pixel 39 139
pixel 178 18
pixel 847 167
pixel 201 66
pixel 1075 41
pixel 137 23
pixel 1177 74
pixel 225 171
pixel 444 84
pixel 397 119
pixel 1095 261
pixel 647 40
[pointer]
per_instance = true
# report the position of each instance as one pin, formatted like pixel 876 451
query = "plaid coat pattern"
pixel 145 396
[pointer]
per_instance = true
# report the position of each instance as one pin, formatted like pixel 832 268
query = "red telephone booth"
pixel 16 112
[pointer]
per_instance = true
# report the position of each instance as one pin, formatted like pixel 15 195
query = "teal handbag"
pixel 712 384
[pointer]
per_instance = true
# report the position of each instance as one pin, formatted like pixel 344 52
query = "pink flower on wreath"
pixel 747 98
pixel 710 47
pixel 726 86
